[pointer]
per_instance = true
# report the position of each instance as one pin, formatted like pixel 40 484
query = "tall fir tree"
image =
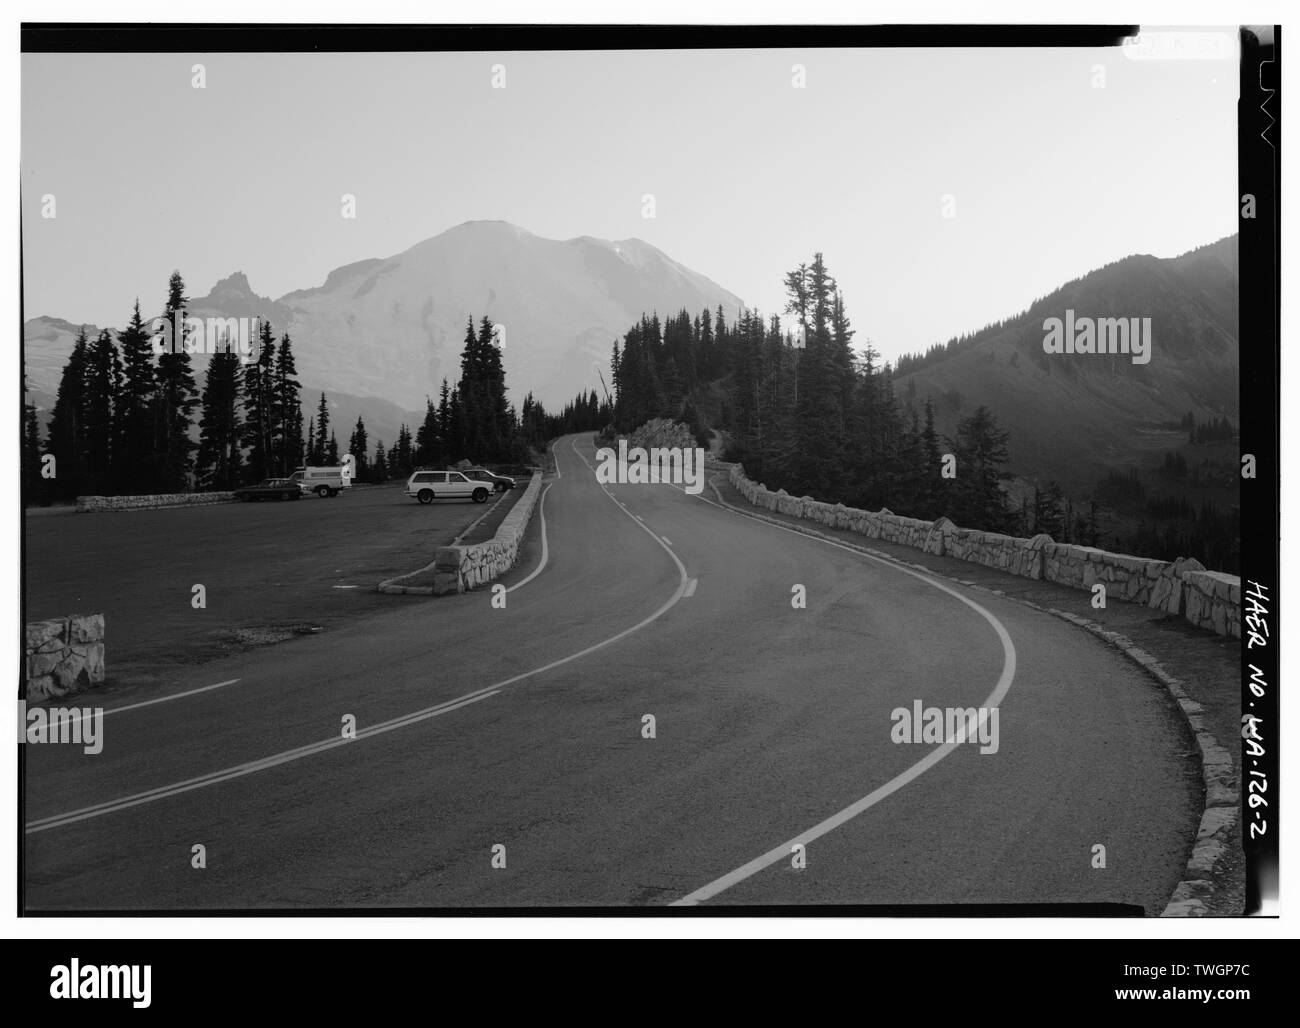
pixel 286 408
pixel 259 391
pixel 981 451
pixel 357 447
pixel 220 456
pixel 103 383
pixel 400 460
pixel 322 427
pixel 176 398
pixel 428 437
pixel 133 460
pixel 67 429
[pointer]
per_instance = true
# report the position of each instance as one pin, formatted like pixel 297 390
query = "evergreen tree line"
pixel 806 412
pixel 122 420
pixel 123 417
pixel 1215 431
pixel 584 413
pixel 472 420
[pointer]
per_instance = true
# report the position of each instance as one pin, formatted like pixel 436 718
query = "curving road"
pixel 522 728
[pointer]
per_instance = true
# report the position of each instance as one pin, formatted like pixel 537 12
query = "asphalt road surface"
pixel 486 733
pixel 268 569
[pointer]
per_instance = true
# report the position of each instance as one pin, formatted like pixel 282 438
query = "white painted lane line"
pixel 681 568
pixel 541 512
pixel 690 586
pixel 666 539
pixel 253 766
pixel 164 699
pixel 995 698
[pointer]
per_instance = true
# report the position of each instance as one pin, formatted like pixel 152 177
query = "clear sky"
pixel 1051 177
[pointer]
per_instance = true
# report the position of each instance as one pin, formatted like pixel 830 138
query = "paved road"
pixel 522 728
pixel 267 568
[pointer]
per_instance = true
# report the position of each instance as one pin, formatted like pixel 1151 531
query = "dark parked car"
pixel 270 489
pixel 500 483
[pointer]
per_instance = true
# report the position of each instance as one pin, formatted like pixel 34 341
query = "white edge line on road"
pixel 311 749
pixel 160 699
pixel 994 699
pixel 541 513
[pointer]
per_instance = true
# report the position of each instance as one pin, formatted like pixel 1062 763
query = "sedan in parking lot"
pixel 499 483
pixel 270 489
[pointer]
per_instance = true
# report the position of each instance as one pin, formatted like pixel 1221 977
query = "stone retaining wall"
pixel 95 504
pixel 63 656
pixel 1208 599
pixel 457 569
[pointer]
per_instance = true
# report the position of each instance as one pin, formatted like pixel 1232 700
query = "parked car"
pixel 499 483
pixel 427 486
pixel 270 489
pixel 322 481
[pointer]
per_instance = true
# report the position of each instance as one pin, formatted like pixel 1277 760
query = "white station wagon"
pixel 427 486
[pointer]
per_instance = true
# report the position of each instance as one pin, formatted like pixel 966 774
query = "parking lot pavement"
pixel 268 570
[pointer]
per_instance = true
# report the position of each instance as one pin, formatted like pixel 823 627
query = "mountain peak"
pixel 235 283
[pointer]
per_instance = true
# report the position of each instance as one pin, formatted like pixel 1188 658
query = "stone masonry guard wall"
pixel 1208 599
pixel 96 504
pixel 63 655
pixel 457 569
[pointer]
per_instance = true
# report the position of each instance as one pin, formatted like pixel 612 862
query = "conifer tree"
pixel 103 383
pixel 220 457
pixel 259 391
pixel 67 429
pixel 133 445
pixel 176 398
pixel 357 447
pixel 33 484
pixel 286 407
pixel 322 426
